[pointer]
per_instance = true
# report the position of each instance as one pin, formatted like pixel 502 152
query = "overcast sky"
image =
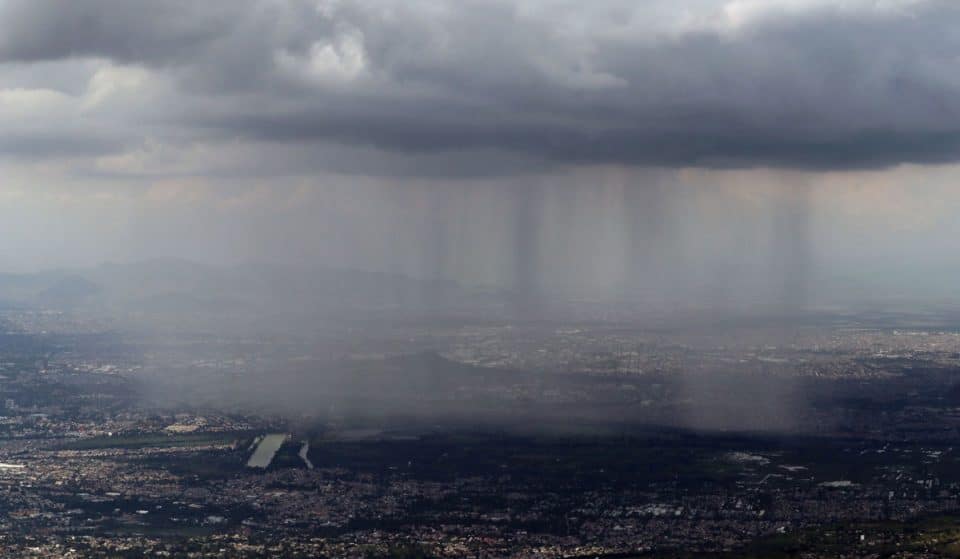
pixel 432 137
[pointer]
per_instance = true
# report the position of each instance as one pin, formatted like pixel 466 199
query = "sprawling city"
pixel 483 439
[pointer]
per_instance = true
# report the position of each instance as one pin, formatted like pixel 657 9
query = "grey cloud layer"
pixel 736 83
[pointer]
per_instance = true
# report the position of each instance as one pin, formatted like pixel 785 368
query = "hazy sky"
pixel 546 141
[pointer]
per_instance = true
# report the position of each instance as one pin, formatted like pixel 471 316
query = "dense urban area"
pixel 491 438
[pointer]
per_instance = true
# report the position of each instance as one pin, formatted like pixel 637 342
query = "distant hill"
pixel 68 291
pixel 174 287
pixel 54 289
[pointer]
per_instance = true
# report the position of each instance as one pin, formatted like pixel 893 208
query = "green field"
pixel 157 440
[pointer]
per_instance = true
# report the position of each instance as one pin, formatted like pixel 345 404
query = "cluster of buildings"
pixel 90 467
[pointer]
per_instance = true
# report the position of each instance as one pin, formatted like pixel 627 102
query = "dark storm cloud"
pixel 125 30
pixel 45 146
pixel 786 84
